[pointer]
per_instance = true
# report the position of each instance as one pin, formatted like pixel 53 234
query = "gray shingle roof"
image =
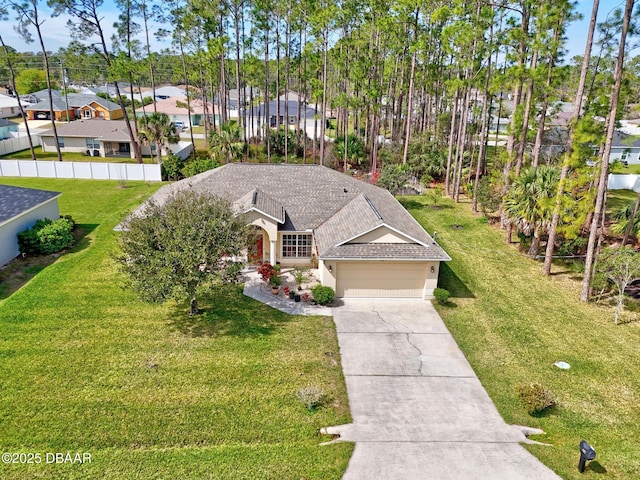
pixel 335 206
pixel 107 130
pixel 260 201
pixel 403 251
pixel 76 100
pixel 17 200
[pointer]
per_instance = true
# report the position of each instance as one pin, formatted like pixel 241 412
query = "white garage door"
pixel 381 279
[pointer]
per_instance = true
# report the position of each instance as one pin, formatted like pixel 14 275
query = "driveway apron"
pixel 418 409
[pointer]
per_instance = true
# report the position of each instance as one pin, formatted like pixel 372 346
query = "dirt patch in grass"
pixel 20 270
pixel 15 274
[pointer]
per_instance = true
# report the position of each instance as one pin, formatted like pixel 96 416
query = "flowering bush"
pixel 266 271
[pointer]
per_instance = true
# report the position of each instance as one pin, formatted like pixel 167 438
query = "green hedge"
pixel 47 236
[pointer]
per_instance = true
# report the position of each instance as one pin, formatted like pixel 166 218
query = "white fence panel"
pixel 16 144
pixel 85 170
pixel 624 182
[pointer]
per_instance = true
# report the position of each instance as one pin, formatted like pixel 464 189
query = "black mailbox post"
pixel 586 453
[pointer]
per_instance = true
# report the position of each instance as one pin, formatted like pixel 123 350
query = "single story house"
pixel 19 209
pixel 74 106
pixel 625 148
pixel 364 243
pixel 9 106
pixel 6 127
pixel 256 120
pixel 176 109
pixel 99 138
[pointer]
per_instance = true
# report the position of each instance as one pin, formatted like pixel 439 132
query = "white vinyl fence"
pixel 87 170
pixel 16 144
pixel 624 182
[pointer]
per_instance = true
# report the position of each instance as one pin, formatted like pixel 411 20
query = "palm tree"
pixel 226 145
pixel 157 128
pixel 529 202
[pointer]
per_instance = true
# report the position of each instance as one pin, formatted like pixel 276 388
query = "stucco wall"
pixel 381 235
pixel 9 230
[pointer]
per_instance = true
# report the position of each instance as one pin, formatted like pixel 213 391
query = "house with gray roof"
pixel 19 209
pixel 307 120
pixel 73 106
pixel 97 137
pixel 363 242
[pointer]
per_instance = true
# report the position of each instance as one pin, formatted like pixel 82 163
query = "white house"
pixel 19 209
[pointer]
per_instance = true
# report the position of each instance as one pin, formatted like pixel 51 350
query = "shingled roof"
pixel 106 130
pixel 15 201
pixel 336 207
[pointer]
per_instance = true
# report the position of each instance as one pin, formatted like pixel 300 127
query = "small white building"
pixel 19 209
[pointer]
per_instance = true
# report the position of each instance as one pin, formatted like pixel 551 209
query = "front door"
pixel 256 253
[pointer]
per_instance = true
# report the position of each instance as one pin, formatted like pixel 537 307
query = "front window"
pixel 296 245
pixel 86 113
pixel 61 142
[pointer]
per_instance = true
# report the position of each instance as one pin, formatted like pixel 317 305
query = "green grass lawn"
pixel 146 390
pixel 73 157
pixel 513 323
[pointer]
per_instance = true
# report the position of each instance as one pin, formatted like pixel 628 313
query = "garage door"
pixel 381 279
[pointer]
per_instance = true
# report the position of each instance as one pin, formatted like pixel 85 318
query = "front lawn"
pixel 146 390
pixel 512 323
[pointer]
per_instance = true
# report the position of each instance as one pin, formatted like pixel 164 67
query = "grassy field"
pixel 513 324
pixel 73 157
pixel 146 390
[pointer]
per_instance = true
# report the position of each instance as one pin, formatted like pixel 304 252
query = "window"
pixel 92 143
pixel 61 142
pixel 296 245
pixel 86 113
pixel 624 155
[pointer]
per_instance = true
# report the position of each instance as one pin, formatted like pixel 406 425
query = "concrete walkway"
pixel 259 290
pixel 418 409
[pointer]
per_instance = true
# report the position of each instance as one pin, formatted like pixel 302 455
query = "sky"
pixel 56 32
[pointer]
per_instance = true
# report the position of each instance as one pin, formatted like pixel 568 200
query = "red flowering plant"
pixel 266 271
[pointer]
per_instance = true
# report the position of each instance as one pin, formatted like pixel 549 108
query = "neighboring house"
pixel 176 109
pixel 625 148
pixel 6 127
pixel 19 210
pixel 75 105
pixel 363 241
pixel 308 118
pixel 8 106
pixel 95 137
pixel 99 138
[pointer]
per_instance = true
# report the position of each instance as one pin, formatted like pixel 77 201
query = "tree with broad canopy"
pixel 183 248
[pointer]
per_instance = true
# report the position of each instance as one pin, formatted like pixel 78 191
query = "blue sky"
pixel 56 32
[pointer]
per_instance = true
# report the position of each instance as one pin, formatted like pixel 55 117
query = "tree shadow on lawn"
pixel 411 204
pixel 23 268
pixel 227 311
pixel 451 282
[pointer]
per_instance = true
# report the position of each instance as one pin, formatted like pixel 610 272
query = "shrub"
pixel 441 295
pixel 171 167
pixel 198 166
pixel 323 295
pixel 311 397
pixel 535 397
pixel 47 236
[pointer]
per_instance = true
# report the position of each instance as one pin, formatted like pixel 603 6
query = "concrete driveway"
pixel 419 411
